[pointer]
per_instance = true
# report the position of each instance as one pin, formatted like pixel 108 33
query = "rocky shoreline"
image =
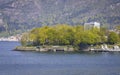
pixel 22 48
pixel 45 48
pixel 104 48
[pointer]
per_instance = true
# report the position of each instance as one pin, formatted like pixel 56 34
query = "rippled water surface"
pixel 36 63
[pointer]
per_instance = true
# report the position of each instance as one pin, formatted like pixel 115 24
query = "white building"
pixel 90 25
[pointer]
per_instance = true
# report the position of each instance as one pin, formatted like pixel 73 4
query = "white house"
pixel 90 25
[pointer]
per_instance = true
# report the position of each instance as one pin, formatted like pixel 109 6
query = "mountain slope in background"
pixel 20 15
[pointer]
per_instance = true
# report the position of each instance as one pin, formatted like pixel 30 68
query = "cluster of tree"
pixel 68 35
pixel 114 37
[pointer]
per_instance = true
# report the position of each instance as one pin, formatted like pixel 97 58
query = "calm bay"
pixel 59 63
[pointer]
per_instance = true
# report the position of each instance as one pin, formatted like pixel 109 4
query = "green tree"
pixel 63 34
pixel 118 30
pixel 100 34
pixel 25 39
pixel 79 30
pixel 118 27
pixel 113 38
pixel 42 35
pixel 89 38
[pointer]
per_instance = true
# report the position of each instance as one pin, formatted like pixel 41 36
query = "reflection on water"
pixel 60 63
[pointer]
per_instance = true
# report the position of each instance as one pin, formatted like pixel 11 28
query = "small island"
pixel 63 37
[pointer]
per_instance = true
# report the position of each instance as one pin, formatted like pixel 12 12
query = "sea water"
pixel 59 63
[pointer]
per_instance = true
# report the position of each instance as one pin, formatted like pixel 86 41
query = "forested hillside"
pixel 21 15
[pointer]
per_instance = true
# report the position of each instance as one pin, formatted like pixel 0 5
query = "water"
pixel 36 63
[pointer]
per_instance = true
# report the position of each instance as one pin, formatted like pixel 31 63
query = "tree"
pixel 89 38
pixel 79 30
pixel 42 35
pixel 118 30
pixel 113 38
pixel 100 34
pixel 118 27
pixel 25 39
pixel 63 34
